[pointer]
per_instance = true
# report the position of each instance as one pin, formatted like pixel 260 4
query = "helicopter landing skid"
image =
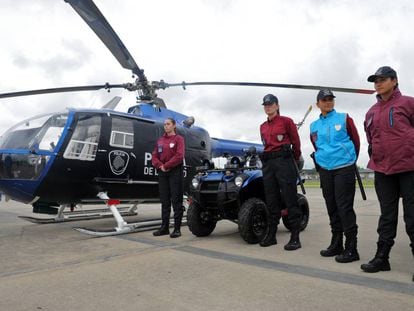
pixel 127 228
pixel 146 225
pixel 80 215
pixel 122 226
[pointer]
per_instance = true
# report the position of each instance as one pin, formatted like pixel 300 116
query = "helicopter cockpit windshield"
pixel 41 132
pixel 25 149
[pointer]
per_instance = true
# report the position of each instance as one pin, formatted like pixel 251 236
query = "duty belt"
pixel 272 155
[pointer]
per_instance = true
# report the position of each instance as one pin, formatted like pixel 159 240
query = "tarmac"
pixel 53 267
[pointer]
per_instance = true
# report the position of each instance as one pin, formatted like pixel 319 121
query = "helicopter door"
pixel 115 157
pixel 83 144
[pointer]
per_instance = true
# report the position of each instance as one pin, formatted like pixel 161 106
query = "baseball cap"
pixel 385 72
pixel 270 99
pixel 324 93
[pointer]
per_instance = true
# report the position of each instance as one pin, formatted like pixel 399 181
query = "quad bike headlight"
pixel 195 182
pixel 239 181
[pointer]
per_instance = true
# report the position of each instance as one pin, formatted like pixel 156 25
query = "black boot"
pixel 177 232
pixel 270 238
pixel 164 230
pixel 380 261
pixel 294 242
pixel 336 247
pixel 350 252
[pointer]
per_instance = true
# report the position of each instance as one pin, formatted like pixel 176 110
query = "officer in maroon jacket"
pixel 167 158
pixel 279 136
pixel 389 125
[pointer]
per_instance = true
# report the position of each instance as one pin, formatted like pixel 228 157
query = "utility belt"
pixel 265 156
pixel 336 170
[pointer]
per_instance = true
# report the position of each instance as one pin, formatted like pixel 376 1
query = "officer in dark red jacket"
pixel 279 136
pixel 389 125
pixel 167 158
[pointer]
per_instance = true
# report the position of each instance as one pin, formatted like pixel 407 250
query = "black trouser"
pixel 338 189
pixel 171 191
pixel 280 182
pixel 389 188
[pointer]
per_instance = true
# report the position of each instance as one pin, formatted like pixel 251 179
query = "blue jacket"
pixel 334 147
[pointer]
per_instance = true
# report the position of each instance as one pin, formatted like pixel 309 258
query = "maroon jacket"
pixel 390 132
pixel 169 150
pixel 280 131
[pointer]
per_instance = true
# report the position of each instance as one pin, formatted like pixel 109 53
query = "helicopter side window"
pixel 122 133
pixel 51 132
pixel 84 142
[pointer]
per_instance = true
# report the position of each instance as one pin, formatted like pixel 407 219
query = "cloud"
pixel 46 44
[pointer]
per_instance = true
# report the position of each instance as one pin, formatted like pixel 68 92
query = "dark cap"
pixel 270 99
pixel 384 72
pixel 324 93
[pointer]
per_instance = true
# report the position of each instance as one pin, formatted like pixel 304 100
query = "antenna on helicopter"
pixel 298 125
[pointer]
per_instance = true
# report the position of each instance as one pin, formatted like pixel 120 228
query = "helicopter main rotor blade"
pixel 98 23
pixel 280 85
pixel 106 86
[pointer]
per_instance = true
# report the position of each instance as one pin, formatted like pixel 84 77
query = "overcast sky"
pixel 45 43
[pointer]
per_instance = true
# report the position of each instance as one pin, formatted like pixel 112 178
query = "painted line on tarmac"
pixel 391 286
pixel 374 283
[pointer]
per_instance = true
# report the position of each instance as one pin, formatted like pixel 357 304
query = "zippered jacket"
pixel 389 126
pixel 280 131
pixel 335 139
pixel 168 151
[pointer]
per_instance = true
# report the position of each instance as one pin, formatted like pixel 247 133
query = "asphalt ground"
pixel 53 267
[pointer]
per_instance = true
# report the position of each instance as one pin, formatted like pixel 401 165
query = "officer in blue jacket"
pixel 336 142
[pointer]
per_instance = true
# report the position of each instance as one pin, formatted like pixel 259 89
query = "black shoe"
pixel 175 234
pixel 268 241
pixel 161 231
pixel 330 252
pixel 348 255
pixel 375 265
pixel 294 242
pixel 336 247
pixel 293 245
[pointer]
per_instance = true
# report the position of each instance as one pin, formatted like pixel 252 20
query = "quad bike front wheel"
pixel 253 220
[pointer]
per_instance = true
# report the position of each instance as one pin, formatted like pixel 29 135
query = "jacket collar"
pixel 396 93
pixel 328 115
pixel 277 116
pixel 166 136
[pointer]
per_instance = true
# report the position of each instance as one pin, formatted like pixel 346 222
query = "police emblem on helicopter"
pixel 118 161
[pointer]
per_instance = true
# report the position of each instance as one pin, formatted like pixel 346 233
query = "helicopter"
pixel 81 156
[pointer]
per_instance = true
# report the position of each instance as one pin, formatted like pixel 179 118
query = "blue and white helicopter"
pixel 56 161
